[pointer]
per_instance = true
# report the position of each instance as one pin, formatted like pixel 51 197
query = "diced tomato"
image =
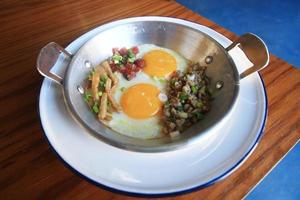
pixel 132 67
pixel 113 67
pixel 127 68
pixel 115 50
pixel 135 50
pixel 123 51
pixel 130 75
pixel 135 68
pixel 139 63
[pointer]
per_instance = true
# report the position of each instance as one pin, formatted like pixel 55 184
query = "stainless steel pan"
pixel 176 35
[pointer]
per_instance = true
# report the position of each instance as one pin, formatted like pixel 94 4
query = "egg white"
pixel 142 128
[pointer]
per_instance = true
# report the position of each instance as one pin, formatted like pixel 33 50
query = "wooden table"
pixel 29 169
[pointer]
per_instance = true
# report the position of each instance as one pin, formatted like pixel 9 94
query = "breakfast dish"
pixel 209 159
pixel 170 92
pixel 136 82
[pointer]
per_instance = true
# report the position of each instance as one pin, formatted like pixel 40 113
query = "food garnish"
pixel 100 86
pixel 188 99
pixel 125 61
pixel 153 103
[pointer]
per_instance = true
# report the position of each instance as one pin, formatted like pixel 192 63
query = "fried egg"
pixel 139 98
pixel 161 62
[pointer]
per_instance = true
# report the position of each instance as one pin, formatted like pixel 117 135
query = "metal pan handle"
pixel 256 51
pixel 47 58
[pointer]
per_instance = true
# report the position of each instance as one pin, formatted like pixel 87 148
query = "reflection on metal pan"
pixel 190 43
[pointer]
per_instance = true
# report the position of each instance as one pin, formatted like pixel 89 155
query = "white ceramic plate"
pixel 196 166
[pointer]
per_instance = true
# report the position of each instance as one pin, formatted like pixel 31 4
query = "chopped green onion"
pixel 117 57
pixel 199 115
pixel 131 54
pixel 167 103
pixel 91 74
pixel 87 97
pixel 194 89
pixel 103 78
pixel 101 86
pixel 161 80
pixel 172 82
pixel 179 108
pixel 122 89
pixel 131 59
pixel 95 108
pixel 183 96
pixel 199 104
pixel 183 115
pixel 99 94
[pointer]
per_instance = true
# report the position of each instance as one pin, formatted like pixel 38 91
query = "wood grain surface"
pixel 30 170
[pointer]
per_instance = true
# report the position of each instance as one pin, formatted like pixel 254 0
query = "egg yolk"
pixel 141 101
pixel 159 63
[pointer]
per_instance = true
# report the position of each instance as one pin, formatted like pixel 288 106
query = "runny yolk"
pixel 141 101
pixel 159 63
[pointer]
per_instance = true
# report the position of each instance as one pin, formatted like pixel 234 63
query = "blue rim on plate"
pixel 181 192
